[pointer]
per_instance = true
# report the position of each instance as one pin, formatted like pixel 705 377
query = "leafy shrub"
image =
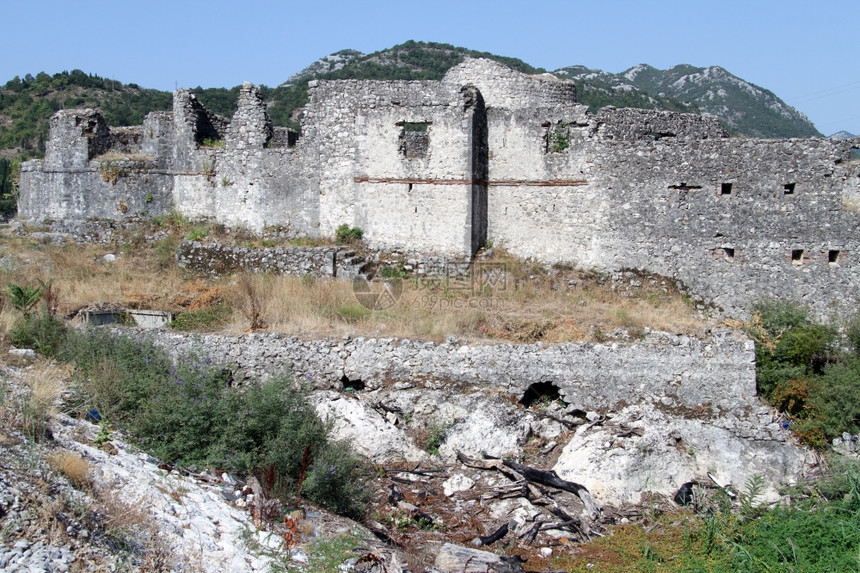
pixel 118 373
pixel 42 332
pixel 801 370
pixel 186 412
pixel 397 271
pixel 346 235
pixel 25 298
pixel 852 332
pixel 336 480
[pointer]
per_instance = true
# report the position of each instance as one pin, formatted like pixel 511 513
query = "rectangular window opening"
pixel 726 189
pixel 797 256
pixel 789 188
pixel 414 140
pixel 833 257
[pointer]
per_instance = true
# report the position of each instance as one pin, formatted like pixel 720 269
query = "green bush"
pixel 802 370
pixel 346 235
pixel 397 271
pixel 336 480
pixel 42 332
pixel 852 332
pixel 352 312
pixel 186 412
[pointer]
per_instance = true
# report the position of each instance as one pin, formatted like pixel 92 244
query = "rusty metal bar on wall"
pixel 499 183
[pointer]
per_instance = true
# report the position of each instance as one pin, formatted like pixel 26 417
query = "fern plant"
pixel 25 298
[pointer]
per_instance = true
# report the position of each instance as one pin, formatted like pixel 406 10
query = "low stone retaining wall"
pixel 217 259
pixel 699 376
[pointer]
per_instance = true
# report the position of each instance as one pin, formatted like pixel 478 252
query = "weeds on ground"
pixel 817 531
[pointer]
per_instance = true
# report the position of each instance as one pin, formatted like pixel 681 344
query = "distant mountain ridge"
pixel 842 135
pixel 744 107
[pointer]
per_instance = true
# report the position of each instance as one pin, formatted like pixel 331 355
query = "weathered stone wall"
pixel 487 154
pixel 632 124
pixel 138 190
pixel 713 376
pixel 405 198
pixel 322 262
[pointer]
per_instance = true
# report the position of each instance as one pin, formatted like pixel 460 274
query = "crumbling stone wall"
pixel 487 154
pixel 505 88
pixel 319 262
pixel 715 376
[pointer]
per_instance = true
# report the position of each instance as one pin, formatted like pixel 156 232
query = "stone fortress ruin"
pixel 487 154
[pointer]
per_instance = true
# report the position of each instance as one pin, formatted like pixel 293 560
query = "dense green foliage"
pixel 9 171
pixel 807 370
pixel 28 103
pixel 346 235
pixel 185 412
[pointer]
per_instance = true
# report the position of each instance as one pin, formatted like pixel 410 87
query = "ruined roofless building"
pixel 485 154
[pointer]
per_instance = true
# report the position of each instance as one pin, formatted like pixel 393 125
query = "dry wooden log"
pixel 551 479
pixel 493 537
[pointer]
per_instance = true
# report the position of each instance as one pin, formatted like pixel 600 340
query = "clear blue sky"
pixel 804 51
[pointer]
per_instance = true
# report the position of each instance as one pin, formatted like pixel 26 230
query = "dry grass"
pixel 73 466
pixel 523 311
pixel 82 277
pixel 531 302
pixel 44 383
pixel 130 528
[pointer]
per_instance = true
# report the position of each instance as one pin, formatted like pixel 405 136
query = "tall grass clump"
pixel 184 411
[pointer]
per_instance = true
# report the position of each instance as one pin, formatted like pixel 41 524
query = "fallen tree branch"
pixel 551 479
pixel 493 537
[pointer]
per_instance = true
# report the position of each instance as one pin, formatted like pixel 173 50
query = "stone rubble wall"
pixel 632 124
pixel 709 376
pixel 502 157
pixel 217 259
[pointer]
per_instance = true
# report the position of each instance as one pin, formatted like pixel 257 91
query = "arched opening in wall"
pixel 855 153
pixel 540 393
pixel 348 385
